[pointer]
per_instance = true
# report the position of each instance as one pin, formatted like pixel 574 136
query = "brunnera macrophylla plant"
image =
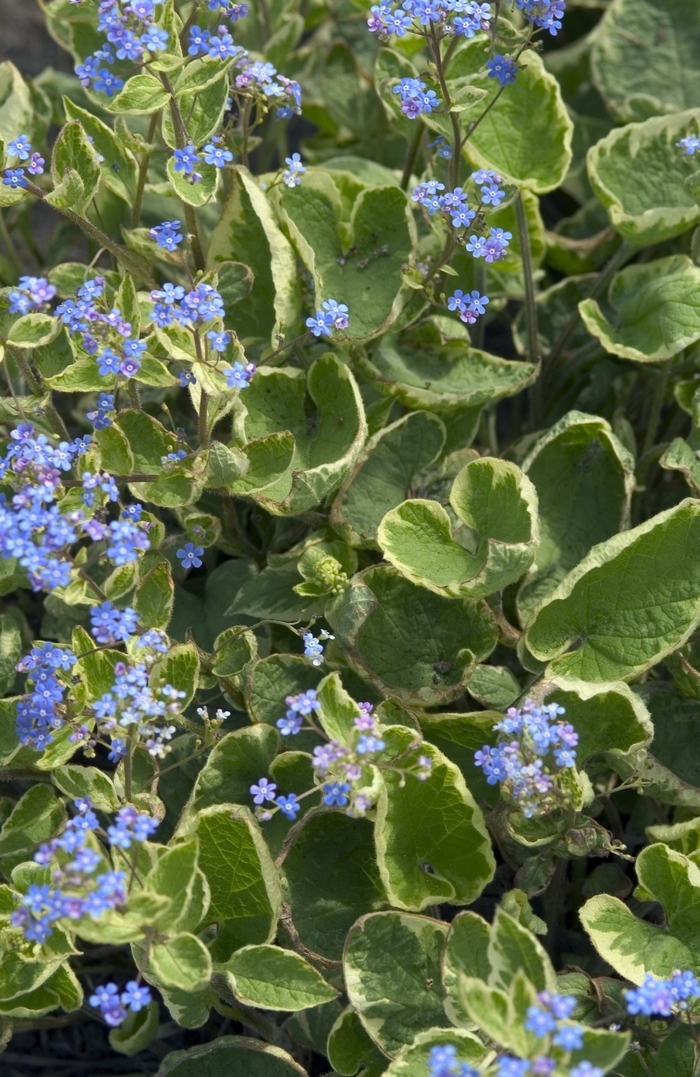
pixel 350 537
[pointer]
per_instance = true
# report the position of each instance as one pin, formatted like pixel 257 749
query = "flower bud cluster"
pixel 342 773
pixel 658 997
pixel 533 751
pixel 75 890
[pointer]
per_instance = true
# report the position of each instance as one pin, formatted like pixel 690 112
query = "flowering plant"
pixel 350 538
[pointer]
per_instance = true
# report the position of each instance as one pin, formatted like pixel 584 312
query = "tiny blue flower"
pixel 190 555
pixel 264 790
pixel 289 806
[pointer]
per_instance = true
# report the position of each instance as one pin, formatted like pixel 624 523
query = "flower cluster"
pixel 463 18
pixel 39 710
pixel 415 98
pixel 529 763
pixel 454 205
pixel 691 144
pixel 185 160
pixel 469 307
pixel 333 315
pixel 32 528
pixel 132 707
pixel 32 293
pixel 75 890
pixel 102 332
pixel 546 14
pixel 313 646
pixel 132 34
pixel 171 303
pixel 114 1006
pixel 103 412
pixel 548 1021
pixel 291 177
pixel 255 78
pixel 503 68
pixel 657 997
pixel 20 148
pixel 167 235
pixel 342 773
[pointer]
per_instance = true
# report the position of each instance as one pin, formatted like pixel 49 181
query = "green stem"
pixel 134 395
pixel 412 154
pixel 36 384
pixel 203 420
pixel 143 172
pixel 434 41
pixel 533 346
pixel 128 260
pixel 182 138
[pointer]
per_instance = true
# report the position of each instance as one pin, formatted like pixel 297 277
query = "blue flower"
pixel 415 99
pixel 221 45
pixel 108 83
pixel 539 1021
pixel 321 325
pixel 290 725
pixel 492 195
pixel 155 40
pixel 168 236
pixel 190 555
pixel 218 341
pixel 503 68
pixel 216 155
pixel 110 625
pixel 654 997
pixel 691 144
pixel 14 177
pixel 19 147
pixel 289 806
pixel 239 376
pixel 185 378
pixel 185 159
pixel 336 793
pixel 136 996
pixel 263 791
pixel 586 1069
pixel 199 41
pixel 569 1037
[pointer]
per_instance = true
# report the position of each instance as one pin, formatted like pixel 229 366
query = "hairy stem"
pixel 413 149
pixel 182 138
pixel 143 172
pixel 533 347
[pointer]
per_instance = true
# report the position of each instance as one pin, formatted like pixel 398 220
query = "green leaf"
pixel 392 976
pixel 513 948
pixel 116 456
pixel 82 781
pixel 607 718
pixel 10 651
pixel 200 73
pixel 488 1008
pixel 235 763
pixel 35 817
pixel 245 893
pixel 465 954
pixel 332 878
pixel 194 194
pixel 431 839
pixel 584 478
pixel 350 1048
pixel 656 310
pixel 33 330
pixel 632 600
pixel 408 641
pixel 526 136
pixel 639 174
pixel 204 110
pixel 275 677
pixel 179 668
pixel 118 167
pixel 490 497
pixel 142 94
pixel 422 372
pixel 275 979
pixel 231 1056
pixel 72 150
pixel 360 264
pixel 413 1061
pixel 16 111
pixel 325 449
pixel 384 474
pixel 177 877
pixel 643 56
pixel 634 947
pixel 154 596
pixel 495 687
pixel 135 1034
pixel 183 962
pixel 247 232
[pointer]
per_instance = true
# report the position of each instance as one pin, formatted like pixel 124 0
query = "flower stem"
pixel 533 347
pixel 143 173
